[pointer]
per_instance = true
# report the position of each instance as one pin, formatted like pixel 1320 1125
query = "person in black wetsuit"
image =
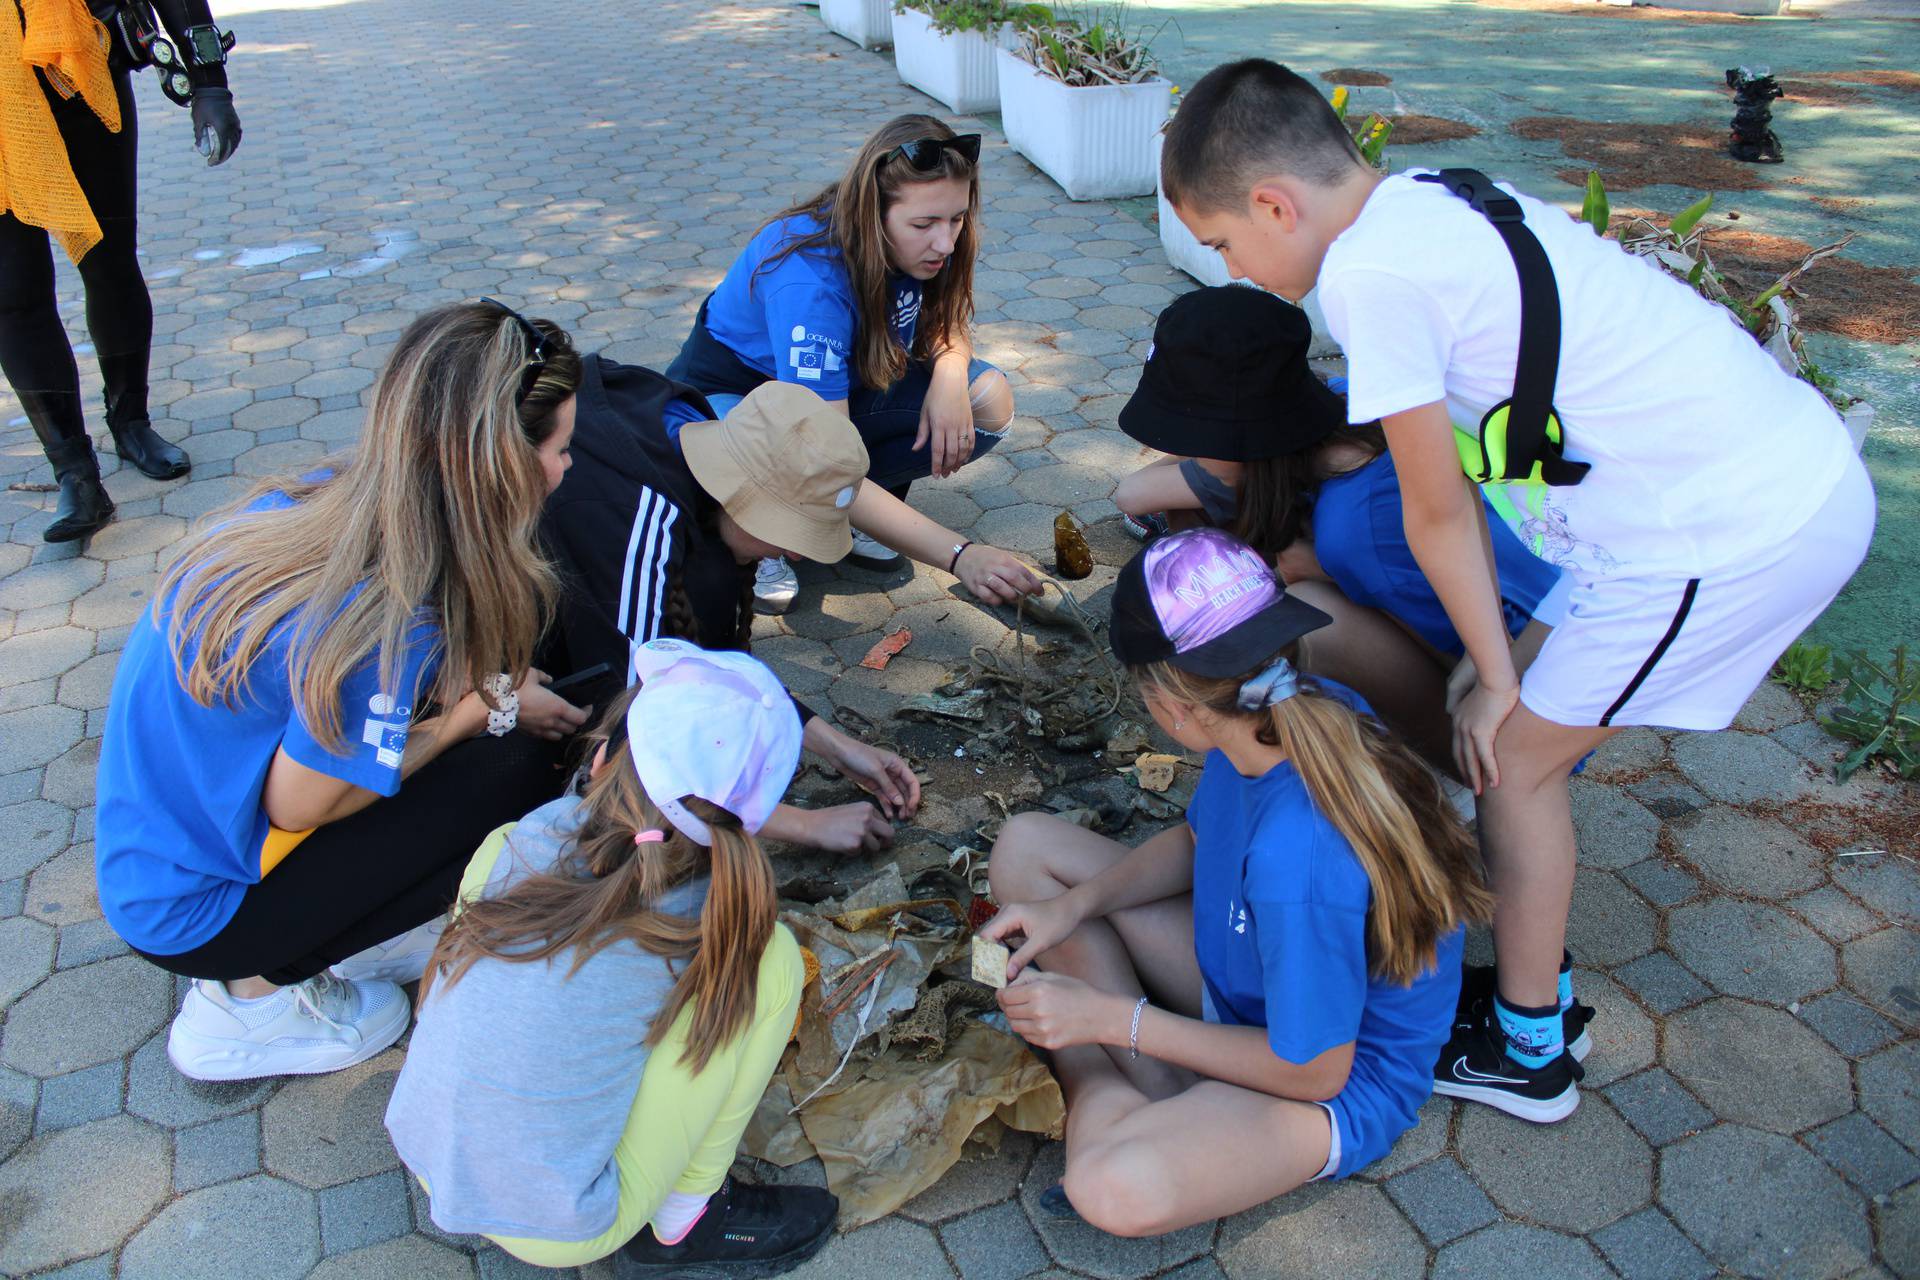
pixel 34 352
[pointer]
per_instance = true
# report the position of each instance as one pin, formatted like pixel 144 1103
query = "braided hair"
pixel 678 618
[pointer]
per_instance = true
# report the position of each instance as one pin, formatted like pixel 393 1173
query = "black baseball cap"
pixel 1207 603
pixel 1227 378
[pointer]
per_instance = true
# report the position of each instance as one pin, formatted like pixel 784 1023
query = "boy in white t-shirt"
pixel 1723 509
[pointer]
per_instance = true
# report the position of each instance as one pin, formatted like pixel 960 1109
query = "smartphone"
pixel 581 676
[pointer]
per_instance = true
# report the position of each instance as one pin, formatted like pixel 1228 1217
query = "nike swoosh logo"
pixel 1461 1071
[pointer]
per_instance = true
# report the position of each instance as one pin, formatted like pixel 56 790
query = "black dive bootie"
pixel 140 444
pixel 83 505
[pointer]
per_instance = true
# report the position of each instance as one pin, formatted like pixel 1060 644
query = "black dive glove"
pixel 216 128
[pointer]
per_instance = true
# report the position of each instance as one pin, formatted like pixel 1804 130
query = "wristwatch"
pixel 205 46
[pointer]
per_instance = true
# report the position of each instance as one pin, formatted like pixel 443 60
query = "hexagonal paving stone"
pixel 1885 883
pixel 1758 1066
pixel 72 1193
pixel 158 1092
pixel 1427 1139
pixel 1890 1091
pixel 1609 924
pixel 324 1130
pixel 1614 829
pixel 1629 753
pixel 408 1258
pixel 975 1183
pixel 44 1037
pixel 1761 1205
pixel 996 1243
pixel 135 537
pixel 19 1094
pixel 1834 914
pixel 1523 1166
pixel 1885 969
pixel 1899 1220
pixel 88 685
pixel 1494 1251
pixel 1623 1035
pixel 36 735
pixel 1442 1201
pixel 1087 1249
pixel 26 956
pixel 30 833
pixel 64 891
pixel 69 780
pixel 271 1224
pixel 1747 855
pixel 53 582
pixel 1741 768
pixel 1335 1230
pixel 44 654
pixel 114 603
pixel 1752 950
pixel 890 1247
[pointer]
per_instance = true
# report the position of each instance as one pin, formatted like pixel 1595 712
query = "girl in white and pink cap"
pixel 1253 999
pixel 613 994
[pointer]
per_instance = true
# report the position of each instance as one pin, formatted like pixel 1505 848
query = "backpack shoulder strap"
pixel 1537 368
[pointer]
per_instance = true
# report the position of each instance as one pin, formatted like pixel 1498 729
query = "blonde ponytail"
pixel 1420 860
pixel 608 887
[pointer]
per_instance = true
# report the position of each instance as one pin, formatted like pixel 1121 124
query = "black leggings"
pixel 376 874
pixel 34 352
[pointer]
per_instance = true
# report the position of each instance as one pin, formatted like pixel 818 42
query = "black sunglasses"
pixel 536 349
pixel 924 153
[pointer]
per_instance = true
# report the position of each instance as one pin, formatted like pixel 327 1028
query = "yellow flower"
pixel 1340 100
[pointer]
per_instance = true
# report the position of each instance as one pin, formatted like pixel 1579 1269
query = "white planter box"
pixel 1096 142
pixel 955 68
pixel 1857 419
pixel 1206 265
pixel 868 23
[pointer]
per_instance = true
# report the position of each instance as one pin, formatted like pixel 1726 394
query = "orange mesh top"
pixel 37 184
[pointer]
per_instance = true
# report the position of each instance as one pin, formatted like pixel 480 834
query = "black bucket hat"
pixel 1227 378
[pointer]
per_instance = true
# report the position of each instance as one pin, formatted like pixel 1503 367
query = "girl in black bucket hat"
pixel 1260 446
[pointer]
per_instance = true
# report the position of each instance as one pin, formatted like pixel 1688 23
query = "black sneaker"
pixel 1474 1065
pixel 747 1231
pixel 1476 997
pixel 1144 528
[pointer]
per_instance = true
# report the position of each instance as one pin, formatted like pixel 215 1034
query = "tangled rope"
pixel 1110 684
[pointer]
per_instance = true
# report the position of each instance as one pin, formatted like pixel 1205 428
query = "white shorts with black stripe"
pixel 1688 653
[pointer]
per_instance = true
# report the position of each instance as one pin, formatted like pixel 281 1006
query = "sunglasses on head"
pixel 923 154
pixel 536 349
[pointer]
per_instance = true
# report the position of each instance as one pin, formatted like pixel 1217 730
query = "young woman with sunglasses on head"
pixel 864 294
pixel 312 727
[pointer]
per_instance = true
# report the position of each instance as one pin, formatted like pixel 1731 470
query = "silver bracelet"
pixel 1133 1033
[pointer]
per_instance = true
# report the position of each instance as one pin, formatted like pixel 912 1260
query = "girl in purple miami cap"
pixel 1253 999
pixel 613 994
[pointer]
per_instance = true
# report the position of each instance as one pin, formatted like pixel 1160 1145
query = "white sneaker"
pixel 320 1025
pixel 401 959
pixel 775 584
pixel 872 554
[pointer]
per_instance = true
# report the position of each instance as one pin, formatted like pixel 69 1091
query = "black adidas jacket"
pixel 627 518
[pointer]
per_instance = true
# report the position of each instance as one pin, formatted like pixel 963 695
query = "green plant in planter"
pixel 1679 249
pixel 1804 668
pixel 983 16
pixel 1879 710
pixel 1090 44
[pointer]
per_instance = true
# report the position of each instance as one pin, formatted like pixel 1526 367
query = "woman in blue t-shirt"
pixel 1253 999
pixel 311 729
pixel 863 294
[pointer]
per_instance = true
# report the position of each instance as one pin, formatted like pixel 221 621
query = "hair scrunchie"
pixel 1275 684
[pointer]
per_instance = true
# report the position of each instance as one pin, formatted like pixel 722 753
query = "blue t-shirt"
pixel 797 321
pixel 1280 930
pixel 1360 538
pixel 678 414
pixel 180 823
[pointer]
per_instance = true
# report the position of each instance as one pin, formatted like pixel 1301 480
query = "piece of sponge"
pixel 990 961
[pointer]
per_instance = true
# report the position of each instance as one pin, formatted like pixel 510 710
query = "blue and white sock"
pixel 1533 1036
pixel 1566 981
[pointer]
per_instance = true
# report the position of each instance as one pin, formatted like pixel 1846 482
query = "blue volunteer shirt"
pixel 797 320
pixel 1280 931
pixel 1360 537
pixel 678 414
pixel 180 824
